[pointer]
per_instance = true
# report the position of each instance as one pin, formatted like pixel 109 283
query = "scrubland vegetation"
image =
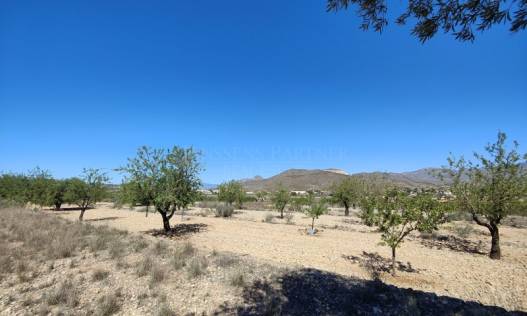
pixel 51 265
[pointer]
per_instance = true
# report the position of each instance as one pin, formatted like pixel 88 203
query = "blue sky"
pixel 258 87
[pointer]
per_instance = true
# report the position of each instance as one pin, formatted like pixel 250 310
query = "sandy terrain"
pixel 343 242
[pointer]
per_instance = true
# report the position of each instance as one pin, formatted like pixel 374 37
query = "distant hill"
pixel 318 179
pixel 296 179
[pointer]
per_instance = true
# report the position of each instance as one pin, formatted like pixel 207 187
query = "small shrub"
pixel 197 267
pixel 226 260
pixel 108 305
pixel 157 274
pixel 144 267
pixel 165 310
pixel 204 212
pixel 64 293
pixel 159 248
pixel 99 275
pixel 463 231
pixel 116 249
pixel 224 210
pixel 269 218
pixel 237 279
pixel 289 218
pixel 139 244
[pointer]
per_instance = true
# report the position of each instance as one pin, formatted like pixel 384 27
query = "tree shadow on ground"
pixel 453 243
pixel 110 218
pixel 315 292
pixel 73 208
pixel 179 230
pixel 376 264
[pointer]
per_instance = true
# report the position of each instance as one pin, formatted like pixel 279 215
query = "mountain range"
pixel 322 179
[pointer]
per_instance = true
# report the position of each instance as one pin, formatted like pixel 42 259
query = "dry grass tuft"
pixel 197 266
pixel 237 279
pixel 65 293
pixel 165 310
pixel 144 267
pixel 108 305
pixel 99 275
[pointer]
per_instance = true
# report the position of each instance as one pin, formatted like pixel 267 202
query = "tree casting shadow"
pixel 179 230
pixel 375 264
pixel 453 243
pixel 315 292
pixel 111 218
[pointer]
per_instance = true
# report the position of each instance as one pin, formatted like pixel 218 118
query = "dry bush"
pixel 108 305
pixel 224 210
pixel 269 218
pixel 463 230
pixel 138 244
pixel 116 249
pixel 237 279
pixel 157 274
pixel 165 310
pixel 99 275
pixel 289 218
pixel 144 267
pixel 225 260
pixel 197 266
pixel 65 293
pixel 160 248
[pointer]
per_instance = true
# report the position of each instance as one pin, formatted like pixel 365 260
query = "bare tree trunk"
pixel 146 213
pixel 393 261
pixel 57 206
pixel 282 212
pixel 346 209
pixel 166 221
pixel 495 251
pixel 313 224
pixel 81 216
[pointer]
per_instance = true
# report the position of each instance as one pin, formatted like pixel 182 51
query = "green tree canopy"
pixel 87 190
pixel 231 192
pixel 491 187
pixel 397 214
pixel 168 178
pixel 315 209
pixel 280 198
pixel 348 192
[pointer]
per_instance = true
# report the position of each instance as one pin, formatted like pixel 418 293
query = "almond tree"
pixel 315 209
pixel 491 187
pixel 280 199
pixel 347 193
pixel 170 177
pixel 232 192
pixel 87 190
pixel 397 214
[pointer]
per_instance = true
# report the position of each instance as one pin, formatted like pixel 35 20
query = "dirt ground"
pixel 446 265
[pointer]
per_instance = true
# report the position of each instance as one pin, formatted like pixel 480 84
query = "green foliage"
pixel 58 193
pixel 261 196
pixel 168 179
pixel 15 188
pixel 458 18
pixel 348 192
pixel 280 199
pixel 87 190
pixel 490 188
pixel 397 213
pixel 40 187
pixel 316 209
pixel 231 192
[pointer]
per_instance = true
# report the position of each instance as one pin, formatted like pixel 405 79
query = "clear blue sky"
pixel 258 87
